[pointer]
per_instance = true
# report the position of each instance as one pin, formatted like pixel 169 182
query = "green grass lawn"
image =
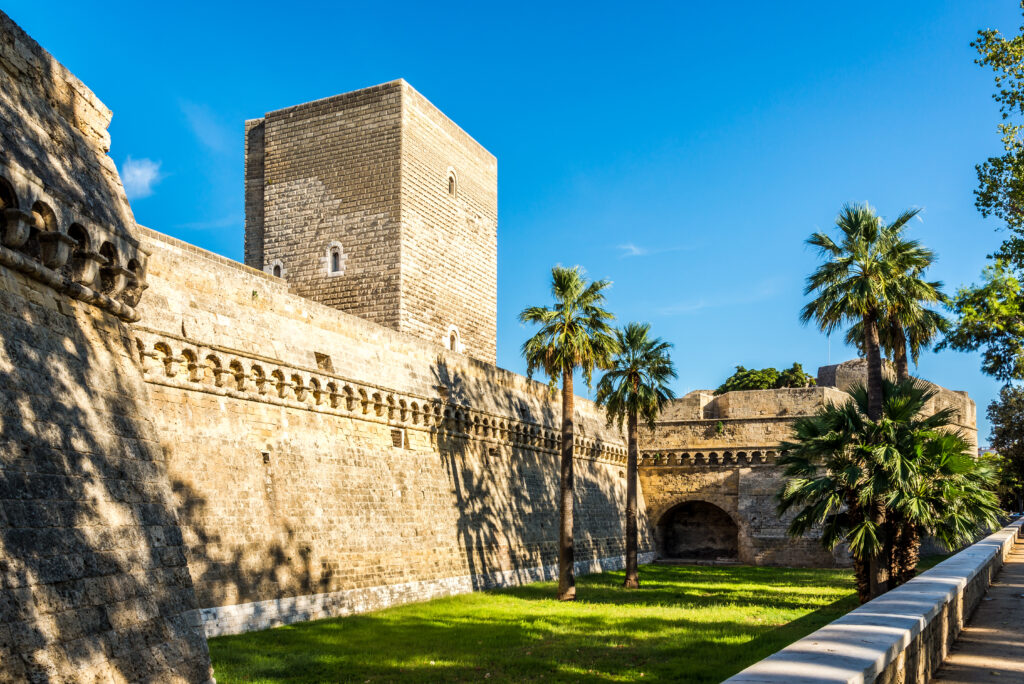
pixel 686 624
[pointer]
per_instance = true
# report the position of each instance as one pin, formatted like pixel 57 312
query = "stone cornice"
pixel 175 361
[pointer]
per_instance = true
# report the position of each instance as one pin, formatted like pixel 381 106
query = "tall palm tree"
pixel 575 334
pixel 635 387
pixel 842 465
pixel 908 323
pixel 858 280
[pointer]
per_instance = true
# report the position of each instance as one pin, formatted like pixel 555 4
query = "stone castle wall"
pixel 93 582
pixel 723 450
pixel 323 464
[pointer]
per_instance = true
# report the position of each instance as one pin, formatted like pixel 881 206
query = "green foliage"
pixel 990 317
pixel 1000 191
pixel 879 485
pixel 690 624
pixel 766 378
pixel 575 332
pixel 637 381
pixel 1007 417
pixel 865 270
pixel 869 276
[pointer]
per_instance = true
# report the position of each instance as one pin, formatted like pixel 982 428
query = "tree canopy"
pixel 1007 417
pixel 766 378
pixel 990 316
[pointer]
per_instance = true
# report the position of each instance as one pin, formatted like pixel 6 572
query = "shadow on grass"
pixel 685 624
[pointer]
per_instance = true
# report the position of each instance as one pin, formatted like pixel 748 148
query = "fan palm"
pixel 575 334
pixel 880 485
pixel 635 387
pixel 908 325
pixel 859 280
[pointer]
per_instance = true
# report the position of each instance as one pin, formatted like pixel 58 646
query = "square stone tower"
pixel 376 203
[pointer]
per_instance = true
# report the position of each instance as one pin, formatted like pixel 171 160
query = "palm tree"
pixel 575 334
pixel 635 387
pixel 842 467
pixel 860 278
pixel 908 323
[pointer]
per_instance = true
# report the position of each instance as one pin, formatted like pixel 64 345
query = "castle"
pixel 190 446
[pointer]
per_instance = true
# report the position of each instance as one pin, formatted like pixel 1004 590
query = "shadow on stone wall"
pixel 227 572
pixel 94 574
pixel 508 518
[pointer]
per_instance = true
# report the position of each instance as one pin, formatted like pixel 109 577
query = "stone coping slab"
pixel 863 644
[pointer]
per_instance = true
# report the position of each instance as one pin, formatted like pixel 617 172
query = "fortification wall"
pixel 93 583
pixel 323 464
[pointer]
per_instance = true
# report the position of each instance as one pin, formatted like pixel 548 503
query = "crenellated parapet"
pixel 64 217
pixel 182 364
pixel 730 458
pixel 48 240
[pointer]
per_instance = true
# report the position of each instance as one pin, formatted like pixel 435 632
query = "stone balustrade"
pixel 902 636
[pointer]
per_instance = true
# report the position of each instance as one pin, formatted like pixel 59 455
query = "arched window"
pixel 334 260
pixel 453 182
pixel 453 339
pixel 275 268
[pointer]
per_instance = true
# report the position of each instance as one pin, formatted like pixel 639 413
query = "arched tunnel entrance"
pixel 698 530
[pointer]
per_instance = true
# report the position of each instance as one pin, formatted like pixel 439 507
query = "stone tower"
pixel 375 203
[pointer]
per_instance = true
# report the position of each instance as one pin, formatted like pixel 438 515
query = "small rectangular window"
pixel 398 438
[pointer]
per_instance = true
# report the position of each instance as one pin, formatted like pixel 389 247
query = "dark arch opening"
pixel 698 530
pixel 8 200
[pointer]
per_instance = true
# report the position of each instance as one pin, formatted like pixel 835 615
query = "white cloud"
pixel 632 250
pixel 139 176
pixel 206 127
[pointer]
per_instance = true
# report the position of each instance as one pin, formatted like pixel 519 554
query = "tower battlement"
pixel 377 204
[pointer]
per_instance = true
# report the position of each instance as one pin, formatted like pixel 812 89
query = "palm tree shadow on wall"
pixel 505 492
pixel 90 550
pixel 226 572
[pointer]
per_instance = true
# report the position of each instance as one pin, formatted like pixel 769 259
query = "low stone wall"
pixel 902 636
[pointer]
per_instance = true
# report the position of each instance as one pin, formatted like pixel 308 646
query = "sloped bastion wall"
pixel 324 465
pixel 93 581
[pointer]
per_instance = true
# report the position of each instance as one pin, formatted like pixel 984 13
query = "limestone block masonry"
pixel 93 581
pixel 722 451
pixel 377 204
pixel 366 467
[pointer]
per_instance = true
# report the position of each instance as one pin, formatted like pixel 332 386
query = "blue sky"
pixel 683 150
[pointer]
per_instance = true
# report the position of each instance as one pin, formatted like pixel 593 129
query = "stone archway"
pixel 698 530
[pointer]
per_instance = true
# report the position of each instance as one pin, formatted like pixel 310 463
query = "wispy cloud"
pixel 632 250
pixel 139 176
pixel 767 289
pixel 205 125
